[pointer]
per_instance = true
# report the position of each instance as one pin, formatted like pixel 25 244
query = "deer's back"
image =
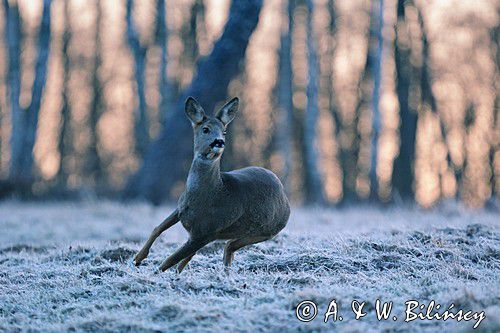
pixel 261 196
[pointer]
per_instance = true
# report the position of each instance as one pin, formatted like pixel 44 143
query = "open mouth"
pixel 214 152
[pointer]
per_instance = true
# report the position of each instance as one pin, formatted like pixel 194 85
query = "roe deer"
pixel 244 206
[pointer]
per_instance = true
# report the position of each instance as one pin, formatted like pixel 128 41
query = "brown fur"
pixel 244 206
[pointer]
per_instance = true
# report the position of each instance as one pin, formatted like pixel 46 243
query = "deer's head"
pixel 210 132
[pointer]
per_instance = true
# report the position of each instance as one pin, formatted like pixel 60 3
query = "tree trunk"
pixel 94 164
pixel 425 82
pixel 313 179
pixel 350 148
pixel 366 85
pixel 1 140
pixel 167 159
pixel 376 54
pixel 285 100
pixel 13 46
pixel 65 139
pixel 189 34
pixel 428 98
pixel 495 146
pixel 141 129
pixel 24 175
pixel 162 41
pixel 403 170
pixel 347 153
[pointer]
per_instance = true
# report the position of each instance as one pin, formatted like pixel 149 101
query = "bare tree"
pixel 403 171
pixel 495 147
pixel 38 86
pixel 94 164
pixel 139 52
pixel 285 100
pixel 189 34
pixel 350 146
pixel 313 179
pixel 348 149
pixel 376 54
pixel 167 159
pixel 25 122
pixel 428 98
pixel 1 140
pixel 13 46
pixel 162 41
pixel 65 138
pixel 425 82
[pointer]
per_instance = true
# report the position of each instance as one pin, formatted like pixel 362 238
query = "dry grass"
pixel 68 267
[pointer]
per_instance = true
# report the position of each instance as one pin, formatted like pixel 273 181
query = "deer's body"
pixel 244 206
pixel 240 203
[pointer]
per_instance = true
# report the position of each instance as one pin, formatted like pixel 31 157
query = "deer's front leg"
pixel 167 223
pixel 187 250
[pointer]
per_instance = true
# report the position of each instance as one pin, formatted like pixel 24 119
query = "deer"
pixel 244 206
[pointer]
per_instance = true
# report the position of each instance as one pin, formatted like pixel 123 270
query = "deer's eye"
pixel 206 130
pixel 224 133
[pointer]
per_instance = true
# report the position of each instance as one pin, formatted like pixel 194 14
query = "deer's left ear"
pixel 227 113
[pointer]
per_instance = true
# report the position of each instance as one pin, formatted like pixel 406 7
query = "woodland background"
pixel 366 110
pixel 347 101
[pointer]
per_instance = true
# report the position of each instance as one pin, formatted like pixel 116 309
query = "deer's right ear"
pixel 227 113
pixel 194 111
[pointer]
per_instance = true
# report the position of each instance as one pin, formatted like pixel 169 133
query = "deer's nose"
pixel 219 143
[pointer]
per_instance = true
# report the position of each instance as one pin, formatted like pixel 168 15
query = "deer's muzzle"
pixel 218 143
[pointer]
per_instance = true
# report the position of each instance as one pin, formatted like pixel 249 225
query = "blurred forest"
pixel 346 101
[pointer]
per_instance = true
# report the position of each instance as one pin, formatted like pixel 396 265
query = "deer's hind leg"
pixel 184 263
pixel 236 244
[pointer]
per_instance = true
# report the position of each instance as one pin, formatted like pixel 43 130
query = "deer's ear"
pixel 194 111
pixel 227 113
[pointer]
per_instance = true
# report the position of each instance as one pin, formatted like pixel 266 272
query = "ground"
pixel 68 267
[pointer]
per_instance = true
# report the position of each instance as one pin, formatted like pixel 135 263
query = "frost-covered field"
pixel 67 267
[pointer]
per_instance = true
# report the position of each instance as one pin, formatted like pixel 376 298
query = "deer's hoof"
pixel 139 258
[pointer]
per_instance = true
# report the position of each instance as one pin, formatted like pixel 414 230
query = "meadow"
pixel 68 267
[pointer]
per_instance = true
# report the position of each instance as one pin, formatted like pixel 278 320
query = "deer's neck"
pixel 203 176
